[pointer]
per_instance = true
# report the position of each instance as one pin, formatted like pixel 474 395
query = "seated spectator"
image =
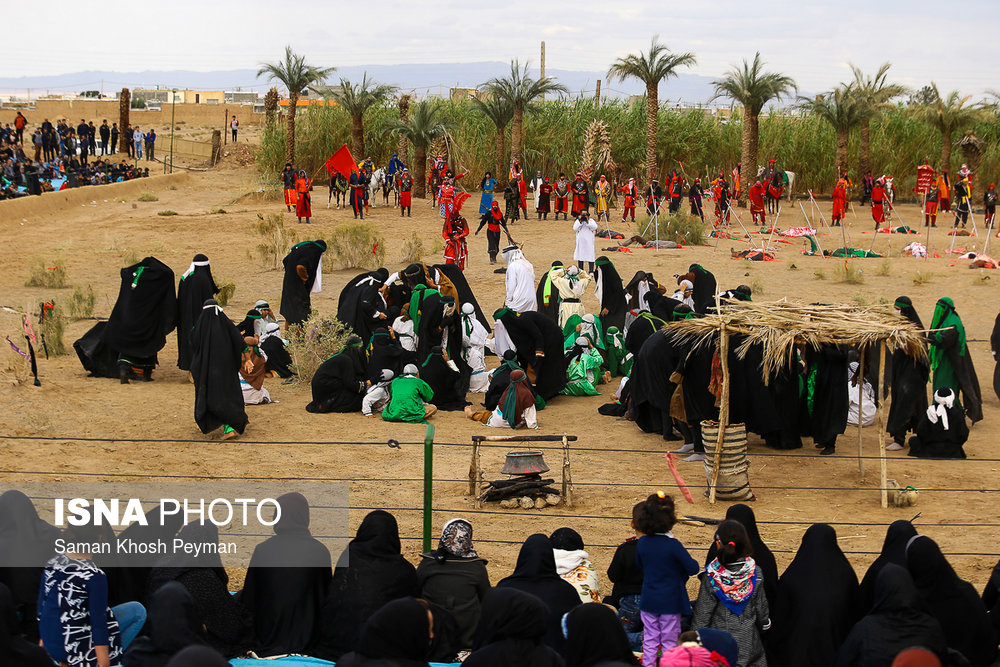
pixel 595 637
pixel 16 649
pixel 398 634
pixel 511 629
pixel 173 625
pixel 573 564
pixel 409 398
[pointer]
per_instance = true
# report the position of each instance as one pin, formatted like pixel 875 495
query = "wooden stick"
pixel 723 408
pixel 567 481
pixel 883 483
pixel 524 438
pixel 861 398
pixel 474 472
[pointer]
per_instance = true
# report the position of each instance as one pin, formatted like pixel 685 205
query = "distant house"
pixel 241 97
pixel 180 96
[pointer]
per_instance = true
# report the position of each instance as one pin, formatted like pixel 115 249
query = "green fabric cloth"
pixel 420 292
pixel 547 286
pixel 408 395
pixel 580 372
pixel 570 334
pixel 138 274
pixel 619 359
pixel 945 317
pixel 509 406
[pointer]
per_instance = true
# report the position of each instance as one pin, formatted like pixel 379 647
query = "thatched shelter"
pixel 778 327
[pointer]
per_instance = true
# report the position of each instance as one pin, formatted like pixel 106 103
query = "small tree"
pixel 296 75
pixel 520 91
pixel 751 87
pixel 357 98
pixel 651 67
pixel 271 107
pixel 949 115
pixel 841 109
pixel 500 111
pixel 425 124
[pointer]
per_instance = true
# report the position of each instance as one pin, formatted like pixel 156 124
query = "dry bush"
pixel 819 275
pixel 849 273
pixel 275 238
pixel 81 304
pixel 315 341
pixel 42 275
pixel 681 228
pixel 147 196
pixel 15 368
pixel 922 277
pixel 216 211
pixel 413 250
pixel 167 213
pixel 51 330
pixel 356 245
pixel 757 286
pixel 860 299
pixel 226 290
pixel 884 268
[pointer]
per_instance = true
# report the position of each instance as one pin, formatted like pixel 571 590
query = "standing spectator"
pixel 137 137
pixel 105 133
pixel 47 125
pixel 127 141
pixel 36 140
pixel 82 130
pixel 49 142
pixel 114 139
pixel 92 134
pixel 84 140
pixel 150 144
pixel 586 231
pixel 234 125
pixel 19 124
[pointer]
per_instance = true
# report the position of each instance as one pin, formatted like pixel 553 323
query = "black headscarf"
pixel 360 303
pixel 172 566
pixel 535 573
pixel 952 601
pixel 908 380
pixel 510 632
pixel 195 287
pixel 173 625
pixel 705 288
pixel 894 624
pixel 398 634
pixel 246 325
pixel 198 656
pixel 816 604
pixel 632 290
pixel 566 539
pixel 384 353
pixel 128 583
pixel 444 381
pixel 906 309
pixel 145 312
pixel 551 308
pixel 531 333
pixel 761 553
pixel 594 635
pixel 374 573
pixel 15 649
pixel 26 544
pixel 339 383
pixel 500 380
pixel 991 597
pixel 217 349
pixel 287 581
pixel 897 536
pixel 612 295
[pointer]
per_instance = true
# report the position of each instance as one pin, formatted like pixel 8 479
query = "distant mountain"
pixel 423 79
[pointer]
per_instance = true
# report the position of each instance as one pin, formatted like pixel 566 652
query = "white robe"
pixel 474 336
pixel 404 331
pixel 520 281
pixel 570 289
pixel 585 232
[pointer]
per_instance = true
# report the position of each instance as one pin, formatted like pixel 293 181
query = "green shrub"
pixel 147 196
pixel 315 341
pixel 217 211
pixel 356 245
pixel 848 273
pixel 51 328
pixel 41 275
pixel 81 304
pixel 226 290
pixel 275 238
pixel 680 228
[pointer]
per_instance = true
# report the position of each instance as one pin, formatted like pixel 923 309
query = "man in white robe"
pixel 474 336
pixel 571 283
pixel 520 281
pixel 586 231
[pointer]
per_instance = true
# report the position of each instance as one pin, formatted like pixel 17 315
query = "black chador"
pixel 145 312
pixel 339 382
pixel 195 287
pixel 216 355
pixel 539 344
pixel 610 293
pixel 361 305
pixel 303 276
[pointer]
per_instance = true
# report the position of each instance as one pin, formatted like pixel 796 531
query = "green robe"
pixel 570 332
pixel 619 360
pixel 580 372
pixel 409 394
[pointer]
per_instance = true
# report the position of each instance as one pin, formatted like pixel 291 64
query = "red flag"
pixel 677 478
pixel 342 161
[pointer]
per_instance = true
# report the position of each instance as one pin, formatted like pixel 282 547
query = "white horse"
pixel 890 192
pixel 375 184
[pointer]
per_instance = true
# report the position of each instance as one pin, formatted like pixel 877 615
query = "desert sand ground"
pixel 94 239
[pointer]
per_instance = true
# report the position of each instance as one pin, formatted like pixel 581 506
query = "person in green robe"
pixel 584 369
pixel 951 363
pixel 617 358
pixel 410 398
pixel 588 326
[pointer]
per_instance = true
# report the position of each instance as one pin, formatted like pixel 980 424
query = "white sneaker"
pixel 893 447
pixel 695 457
pixel 685 448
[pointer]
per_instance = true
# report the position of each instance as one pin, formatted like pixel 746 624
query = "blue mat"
pixel 301 662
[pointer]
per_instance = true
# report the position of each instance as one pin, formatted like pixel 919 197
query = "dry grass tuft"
pixel 413 250
pixel 356 245
pixel 276 239
pixel 147 197
pixel 40 274
pixel 82 302
pixel 315 341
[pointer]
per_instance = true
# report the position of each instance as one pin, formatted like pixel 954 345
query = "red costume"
pixel 561 192
pixel 839 201
pixel 456 248
pixel 405 189
pixel 303 207
pixel 879 203
pixel 631 194
pixel 522 188
pixel 757 203
pixel 580 195
pixel 737 180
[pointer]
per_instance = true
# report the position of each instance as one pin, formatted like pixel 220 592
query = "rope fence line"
pixel 392 443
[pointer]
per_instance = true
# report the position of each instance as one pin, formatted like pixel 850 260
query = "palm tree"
pixel 424 124
pixel 501 112
pixel 752 88
pixel 357 98
pixel 841 109
pixel 949 115
pixel 873 93
pixel 296 75
pixel 651 67
pixel 520 91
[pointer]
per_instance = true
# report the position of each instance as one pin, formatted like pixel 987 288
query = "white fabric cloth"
pixel 474 336
pixel 576 568
pixel 375 398
pixel 940 408
pixel 253 396
pixel 501 339
pixel 404 331
pixel 868 398
pixel 191 268
pixel 497 420
pixel 318 282
pixel 570 289
pixel 520 283
pixel 585 234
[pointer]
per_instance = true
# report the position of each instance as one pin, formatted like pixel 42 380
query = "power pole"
pixel 597 95
pixel 543 66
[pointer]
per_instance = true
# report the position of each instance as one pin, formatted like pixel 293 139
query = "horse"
pixel 789 180
pixel 338 187
pixel 890 190
pixel 375 184
pixel 390 185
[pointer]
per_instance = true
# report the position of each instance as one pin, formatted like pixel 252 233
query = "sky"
pixel 955 46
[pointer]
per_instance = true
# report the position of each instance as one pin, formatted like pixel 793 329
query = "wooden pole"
pixel 597 94
pixel 567 480
pixel 723 408
pixel 474 471
pixel 883 483
pixel 543 66
pixel 861 396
